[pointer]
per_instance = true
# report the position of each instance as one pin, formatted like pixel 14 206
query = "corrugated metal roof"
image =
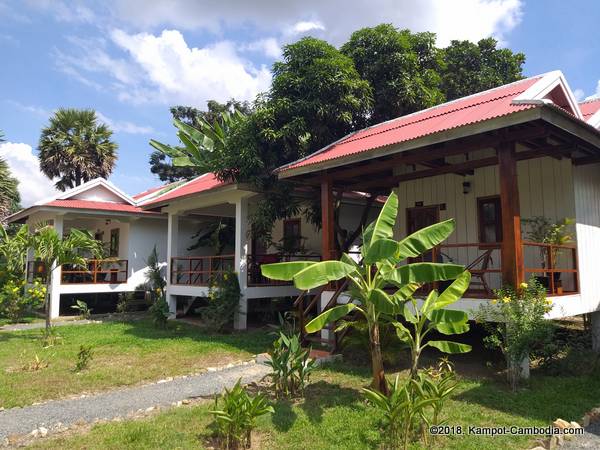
pixel 468 110
pixel 199 184
pixel 95 205
pixel 589 108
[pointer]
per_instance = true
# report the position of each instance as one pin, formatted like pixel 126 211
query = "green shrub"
pixel 84 356
pixel 236 414
pixel 124 303
pixel 516 324
pixel 84 310
pixel 160 312
pixel 18 299
pixel 223 301
pixel 50 337
pixel 414 405
pixel 291 365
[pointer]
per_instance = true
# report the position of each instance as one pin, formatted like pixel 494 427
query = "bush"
pixel 84 310
pixel 160 312
pixel 291 365
pixel 235 416
pixel 84 356
pixel 223 301
pixel 17 299
pixel 516 324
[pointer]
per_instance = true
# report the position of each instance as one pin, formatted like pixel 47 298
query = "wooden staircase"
pixel 307 308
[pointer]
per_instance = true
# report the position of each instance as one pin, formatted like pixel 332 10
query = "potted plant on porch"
pixel 543 230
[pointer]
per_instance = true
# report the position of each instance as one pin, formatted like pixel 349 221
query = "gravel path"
pixel 120 403
pixel 590 440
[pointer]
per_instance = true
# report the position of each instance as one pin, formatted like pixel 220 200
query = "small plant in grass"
pixel 50 338
pixel 84 356
pixel 516 324
pixel 36 364
pixel 291 365
pixel 235 415
pixel 160 312
pixel 85 312
pixel 223 301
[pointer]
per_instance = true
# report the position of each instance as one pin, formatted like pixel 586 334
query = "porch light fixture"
pixel 466 187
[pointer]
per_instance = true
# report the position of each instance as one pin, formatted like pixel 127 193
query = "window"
pixel 292 239
pixel 114 242
pixel 490 219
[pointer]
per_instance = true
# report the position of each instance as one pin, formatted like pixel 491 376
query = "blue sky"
pixel 132 59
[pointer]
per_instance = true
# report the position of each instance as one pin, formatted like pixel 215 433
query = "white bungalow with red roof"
pixel 489 160
pixel 128 232
pixel 190 204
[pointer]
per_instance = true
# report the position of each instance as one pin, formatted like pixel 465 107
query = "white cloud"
pixel 579 94
pixel 269 47
pixel 456 19
pixel 306 26
pixel 123 126
pixel 33 109
pixel 24 165
pixel 597 94
pixel 175 73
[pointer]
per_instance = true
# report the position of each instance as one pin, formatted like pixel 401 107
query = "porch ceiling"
pixel 377 175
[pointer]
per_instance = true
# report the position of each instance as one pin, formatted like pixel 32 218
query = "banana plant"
pixel 201 144
pixel 433 315
pixel 381 284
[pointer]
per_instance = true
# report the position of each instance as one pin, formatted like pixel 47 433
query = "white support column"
pixel 323 302
pixel 56 274
pixel 172 249
pixel 241 260
pixel 595 329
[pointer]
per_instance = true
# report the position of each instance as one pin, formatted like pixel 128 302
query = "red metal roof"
pixel 94 205
pixel 589 108
pixel 199 184
pixel 468 110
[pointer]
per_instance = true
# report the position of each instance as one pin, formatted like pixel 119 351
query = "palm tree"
pixel 9 192
pixel 75 148
pixel 53 251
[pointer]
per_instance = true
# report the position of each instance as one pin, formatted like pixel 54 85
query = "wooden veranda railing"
pixel 199 270
pixel 97 271
pixel 555 266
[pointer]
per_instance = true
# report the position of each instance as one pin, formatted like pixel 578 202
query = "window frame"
pixel 480 222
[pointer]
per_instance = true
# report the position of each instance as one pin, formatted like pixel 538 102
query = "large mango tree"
pixel 382 284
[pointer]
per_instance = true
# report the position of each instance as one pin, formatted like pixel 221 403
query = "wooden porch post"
pixel 512 248
pixel 327 218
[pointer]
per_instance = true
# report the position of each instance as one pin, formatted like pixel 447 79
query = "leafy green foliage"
pixel 223 301
pixel 9 191
pixel 411 407
pixel 471 68
pixel 159 310
pixel 291 365
pixel 74 148
pixel 515 321
pixel 85 312
pixel 17 299
pixel 383 267
pixel 236 414
pixel 216 233
pixel 84 356
pixel 13 254
pixel 403 69
pixel 53 251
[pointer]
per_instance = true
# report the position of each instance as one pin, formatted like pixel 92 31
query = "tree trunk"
pixel 379 382
pixel 48 299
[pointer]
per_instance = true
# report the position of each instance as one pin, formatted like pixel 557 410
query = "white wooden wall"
pixel 545 189
pixel 587 206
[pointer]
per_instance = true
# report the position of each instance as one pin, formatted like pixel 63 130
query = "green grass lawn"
pixel 334 416
pixel 125 353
